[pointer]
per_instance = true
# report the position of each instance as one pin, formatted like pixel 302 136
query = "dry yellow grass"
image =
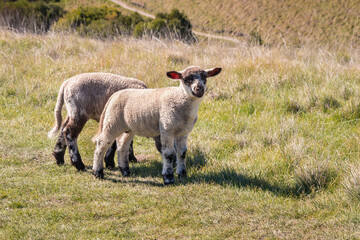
pixel 332 23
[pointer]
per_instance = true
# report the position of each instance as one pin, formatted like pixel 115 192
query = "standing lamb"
pixel 85 96
pixel 169 112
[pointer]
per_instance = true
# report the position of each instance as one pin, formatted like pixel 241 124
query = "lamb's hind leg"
pixel 181 150
pixel 110 154
pixel 60 146
pixel 132 157
pixel 157 143
pixel 124 143
pixel 71 132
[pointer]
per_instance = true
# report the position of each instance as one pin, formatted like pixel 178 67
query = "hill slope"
pixel 332 22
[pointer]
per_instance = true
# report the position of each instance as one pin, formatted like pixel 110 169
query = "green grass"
pixel 272 118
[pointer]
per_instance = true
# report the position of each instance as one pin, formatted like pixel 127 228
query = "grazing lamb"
pixel 85 96
pixel 169 112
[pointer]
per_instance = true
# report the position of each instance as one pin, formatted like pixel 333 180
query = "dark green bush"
pixel 102 22
pixel 105 22
pixel 139 30
pixel 171 25
pixel 98 22
pixel 34 16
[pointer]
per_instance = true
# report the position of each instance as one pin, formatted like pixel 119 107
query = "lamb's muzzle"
pixel 168 112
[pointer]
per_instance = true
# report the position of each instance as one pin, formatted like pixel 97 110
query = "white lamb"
pixel 169 112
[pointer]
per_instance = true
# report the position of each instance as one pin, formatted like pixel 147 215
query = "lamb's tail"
pixel 57 112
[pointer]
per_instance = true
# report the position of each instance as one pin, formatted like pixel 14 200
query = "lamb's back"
pixel 90 91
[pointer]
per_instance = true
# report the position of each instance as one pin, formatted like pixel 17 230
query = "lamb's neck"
pixel 189 104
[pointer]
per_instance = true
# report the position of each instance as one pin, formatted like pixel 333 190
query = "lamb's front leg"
pixel 102 144
pixel 181 150
pixel 169 156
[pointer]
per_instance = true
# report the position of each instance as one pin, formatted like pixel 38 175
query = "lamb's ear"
pixel 174 75
pixel 213 72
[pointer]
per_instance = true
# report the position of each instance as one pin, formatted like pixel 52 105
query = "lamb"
pixel 169 112
pixel 85 96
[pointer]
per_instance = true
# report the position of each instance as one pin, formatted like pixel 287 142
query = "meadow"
pixel 274 154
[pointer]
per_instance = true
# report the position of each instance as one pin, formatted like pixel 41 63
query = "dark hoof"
pixel 169 179
pixel 99 174
pixel 132 158
pixel 109 164
pixel 182 175
pixel 59 157
pixel 79 166
pixel 125 172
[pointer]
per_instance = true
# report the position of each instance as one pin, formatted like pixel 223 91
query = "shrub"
pixel 104 22
pixel 99 22
pixel 34 16
pixel 139 30
pixel 172 25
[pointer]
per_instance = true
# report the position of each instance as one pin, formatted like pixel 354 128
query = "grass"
pixel 295 23
pixel 261 125
pixel 352 183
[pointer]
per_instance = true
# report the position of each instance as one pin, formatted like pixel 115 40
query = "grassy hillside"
pixel 275 153
pixel 334 23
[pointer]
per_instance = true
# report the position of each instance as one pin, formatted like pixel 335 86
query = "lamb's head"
pixel 193 79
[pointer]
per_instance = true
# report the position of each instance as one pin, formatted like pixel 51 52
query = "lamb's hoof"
pixel 99 174
pixel 169 179
pixel 125 171
pixel 80 166
pixel 76 162
pixel 132 158
pixel 110 164
pixel 182 175
pixel 59 157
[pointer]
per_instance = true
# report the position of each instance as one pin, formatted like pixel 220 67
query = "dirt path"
pixel 126 6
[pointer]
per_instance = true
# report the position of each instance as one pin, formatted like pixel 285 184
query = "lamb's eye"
pixel 189 79
pixel 204 80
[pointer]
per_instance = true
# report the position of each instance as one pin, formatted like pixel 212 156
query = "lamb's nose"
pixel 199 88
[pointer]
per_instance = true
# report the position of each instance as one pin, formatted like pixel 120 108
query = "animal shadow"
pixel 230 177
pixel 196 160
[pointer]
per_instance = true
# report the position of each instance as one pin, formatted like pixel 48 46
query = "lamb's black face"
pixel 196 81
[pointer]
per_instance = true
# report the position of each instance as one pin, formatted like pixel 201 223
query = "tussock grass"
pixel 314 175
pixel 245 154
pixel 352 182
